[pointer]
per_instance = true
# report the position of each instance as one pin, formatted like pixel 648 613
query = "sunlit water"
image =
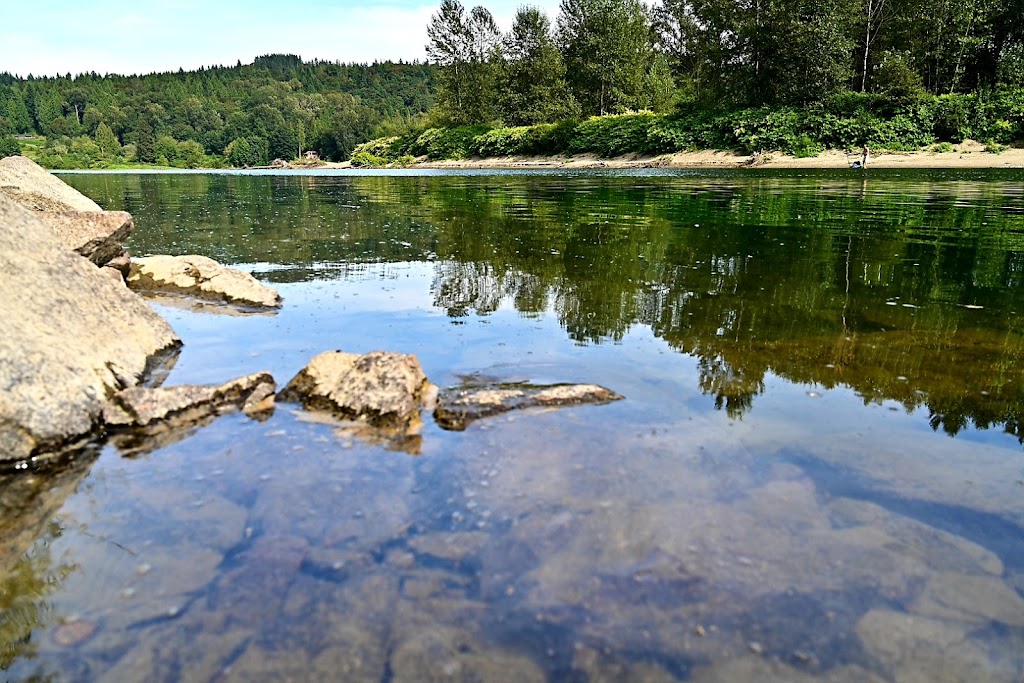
pixel 817 472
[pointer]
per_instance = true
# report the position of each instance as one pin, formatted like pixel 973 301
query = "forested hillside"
pixel 790 75
pixel 244 115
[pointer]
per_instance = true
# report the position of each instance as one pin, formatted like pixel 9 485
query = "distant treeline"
pixel 241 115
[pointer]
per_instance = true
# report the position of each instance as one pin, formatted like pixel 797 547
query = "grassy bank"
pixel 846 122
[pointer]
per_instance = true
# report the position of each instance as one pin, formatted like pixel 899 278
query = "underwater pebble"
pixel 756 648
pixel 73 633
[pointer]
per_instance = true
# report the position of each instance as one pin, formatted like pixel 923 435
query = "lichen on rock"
pixel 383 389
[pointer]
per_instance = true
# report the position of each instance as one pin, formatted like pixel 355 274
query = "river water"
pixel 816 473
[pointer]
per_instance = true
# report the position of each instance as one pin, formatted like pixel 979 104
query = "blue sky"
pixel 49 37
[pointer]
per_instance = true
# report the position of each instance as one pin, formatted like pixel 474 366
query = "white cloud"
pixel 118 37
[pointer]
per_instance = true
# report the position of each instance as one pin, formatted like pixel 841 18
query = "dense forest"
pixel 790 75
pixel 608 56
pixel 245 115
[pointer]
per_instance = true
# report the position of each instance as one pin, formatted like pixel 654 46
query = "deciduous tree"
pixel 534 89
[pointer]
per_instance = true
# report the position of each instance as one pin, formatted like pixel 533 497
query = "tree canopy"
pixel 279 104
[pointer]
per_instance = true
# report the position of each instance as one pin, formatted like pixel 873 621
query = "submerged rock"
pixel 71 337
pixel 36 189
pixel 200 277
pixel 458 407
pixel 440 653
pixel 383 389
pixel 148 418
pixel 97 235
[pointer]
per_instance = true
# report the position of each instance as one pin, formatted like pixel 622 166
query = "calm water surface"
pixel 817 473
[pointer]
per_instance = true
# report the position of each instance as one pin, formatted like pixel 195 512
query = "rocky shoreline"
pixel 84 356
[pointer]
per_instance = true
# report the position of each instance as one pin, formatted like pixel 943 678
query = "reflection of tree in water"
pixel 461 287
pixel 810 278
pixel 731 390
pixel 23 600
pixel 875 307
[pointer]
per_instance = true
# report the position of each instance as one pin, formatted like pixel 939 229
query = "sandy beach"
pixel 966 155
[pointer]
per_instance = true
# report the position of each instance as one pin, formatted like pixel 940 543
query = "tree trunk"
pixel 867 48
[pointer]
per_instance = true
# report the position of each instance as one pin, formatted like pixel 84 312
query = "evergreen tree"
pixel 107 141
pixel 145 142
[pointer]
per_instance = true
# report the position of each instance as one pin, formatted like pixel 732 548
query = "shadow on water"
pixel 29 573
pixel 988 530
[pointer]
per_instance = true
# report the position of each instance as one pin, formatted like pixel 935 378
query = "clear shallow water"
pixel 816 475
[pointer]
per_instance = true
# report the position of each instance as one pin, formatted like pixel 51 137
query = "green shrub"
pixel 994 147
pixel 9 147
pixel 903 132
pixel 363 159
pixel 766 129
pixel 446 143
pixel 502 142
pixel 943 147
pixel 615 135
pixel 804 147
pixel 381 147
pixel 952 117
pixel 552 138
pixel 674 134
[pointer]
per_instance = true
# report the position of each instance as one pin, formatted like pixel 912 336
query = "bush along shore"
pixel 849 121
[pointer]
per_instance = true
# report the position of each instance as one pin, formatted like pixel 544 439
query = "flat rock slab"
pixel 384 389
pixel 145 406
pixel 202 278
pixel 97 235
pixel 144 419
pixel 71 338
pixel 36 189
pixel 456 408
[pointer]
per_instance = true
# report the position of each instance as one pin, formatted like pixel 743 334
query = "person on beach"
pixel 864 156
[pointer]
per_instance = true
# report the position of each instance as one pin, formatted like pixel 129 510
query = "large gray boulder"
pixel 200 277
pixel 71 337
pixel 77 221
pixel 36 189
pixel 97 235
